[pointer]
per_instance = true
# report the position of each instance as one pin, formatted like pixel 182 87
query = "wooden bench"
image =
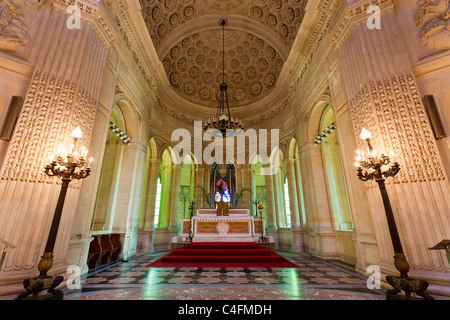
pixel 106 248
pixel 103 250
pixel 95 252
pixel 117 247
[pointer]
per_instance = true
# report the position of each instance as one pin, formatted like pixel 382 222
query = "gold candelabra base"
pixel 43 282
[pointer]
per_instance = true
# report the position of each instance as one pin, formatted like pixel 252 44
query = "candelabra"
pixel 223 122
pixel 191 209
pixel 260 208
pixel 261 223
pixel 67 168
pixel 372 164
pixel 256 203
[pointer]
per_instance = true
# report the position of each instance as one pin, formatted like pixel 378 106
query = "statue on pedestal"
pixel 224 181
pixel 222 198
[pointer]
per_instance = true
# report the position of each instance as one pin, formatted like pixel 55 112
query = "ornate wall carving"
pixel 400 119
pixel 433 19
pixel 13 27
pixel 52 108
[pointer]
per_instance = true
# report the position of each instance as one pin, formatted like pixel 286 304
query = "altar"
pixel 207 226
pixel 237 226
pixel 223 222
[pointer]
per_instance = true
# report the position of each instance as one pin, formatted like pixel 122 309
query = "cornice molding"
pixel 356 13
pixel 93 11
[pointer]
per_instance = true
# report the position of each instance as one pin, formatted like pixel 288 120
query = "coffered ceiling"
pixel 187 35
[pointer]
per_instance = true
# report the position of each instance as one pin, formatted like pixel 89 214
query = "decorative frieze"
pixel 400 119
pixel 318 34
pixel 88 8
pixel 52 108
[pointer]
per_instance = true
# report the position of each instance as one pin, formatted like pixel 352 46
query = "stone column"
pixel 243 184
pixel 270 201
pixel 300 196
pixel 147 231
pixel 322 240
pixel 247 184
pixel 199 197
pixel 278 199
pixel 253 187
pixel 297 243
pixel 293 201
pixel 166 182
pixel 175 198
pixel 192 190
pixel 151 195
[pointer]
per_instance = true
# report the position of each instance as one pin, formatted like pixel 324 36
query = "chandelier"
pixel 223 120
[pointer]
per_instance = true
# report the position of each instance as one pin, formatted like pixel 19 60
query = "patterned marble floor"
pixel 315 280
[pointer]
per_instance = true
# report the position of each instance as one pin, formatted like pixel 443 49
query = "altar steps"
pixel 223 254
pixel 217 259
pixel 223 245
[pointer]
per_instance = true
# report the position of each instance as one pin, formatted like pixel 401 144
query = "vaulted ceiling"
pixel 187 35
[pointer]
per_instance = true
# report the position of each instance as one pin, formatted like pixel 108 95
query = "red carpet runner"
pixel 223 254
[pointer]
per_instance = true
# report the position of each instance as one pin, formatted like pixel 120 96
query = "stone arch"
pixel 153 149
pixel 315 117
pixel 292 151
pixel 160 146
pixel 130 116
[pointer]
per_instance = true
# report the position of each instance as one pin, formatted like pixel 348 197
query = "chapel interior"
pixel 128 88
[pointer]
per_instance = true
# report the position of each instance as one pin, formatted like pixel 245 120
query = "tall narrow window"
pixel 157 202
pixel 287 203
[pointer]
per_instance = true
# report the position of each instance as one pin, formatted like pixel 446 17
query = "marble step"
pixel 175 258
pixel 223 252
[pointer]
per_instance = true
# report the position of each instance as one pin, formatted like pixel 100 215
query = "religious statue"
pixel 222 198
pixel 13 31
pixel 224 183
